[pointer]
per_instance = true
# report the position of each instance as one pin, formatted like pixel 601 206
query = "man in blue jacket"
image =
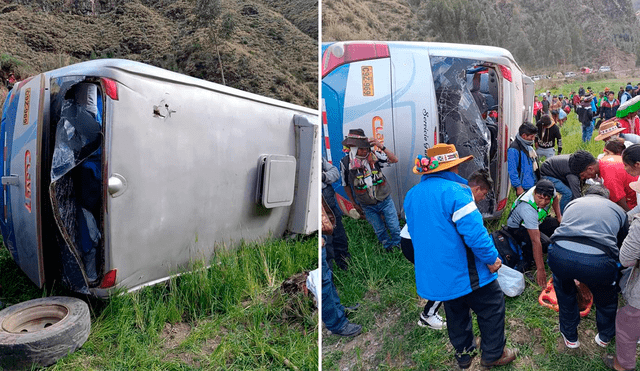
pixel 522 159
pixel 455 258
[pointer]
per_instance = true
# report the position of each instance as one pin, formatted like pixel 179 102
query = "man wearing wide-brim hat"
pixel 585 116
pixel 608 130
pixel 367 187
pixel 455 258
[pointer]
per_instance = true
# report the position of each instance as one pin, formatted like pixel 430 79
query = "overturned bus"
pixel 117 174
pixel 412 95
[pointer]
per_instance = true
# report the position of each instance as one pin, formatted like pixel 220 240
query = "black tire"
pixel 41 331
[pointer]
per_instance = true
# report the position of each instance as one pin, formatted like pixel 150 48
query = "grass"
pixel 384 285
pixel 231 316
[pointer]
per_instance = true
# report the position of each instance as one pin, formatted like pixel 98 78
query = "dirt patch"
pixel 367 352
pixel 174 335
pixel 363 349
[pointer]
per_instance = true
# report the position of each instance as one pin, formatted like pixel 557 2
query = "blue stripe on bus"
pixel 9 112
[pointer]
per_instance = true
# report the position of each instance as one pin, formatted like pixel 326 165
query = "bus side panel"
pixel 9 115
pixel 189 157
pixel 360 96
pixel 415 114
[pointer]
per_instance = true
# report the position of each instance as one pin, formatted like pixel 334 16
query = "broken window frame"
pixel 92 145
pixel 460 121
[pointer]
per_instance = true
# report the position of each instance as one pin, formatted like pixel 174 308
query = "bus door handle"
pixel 13 180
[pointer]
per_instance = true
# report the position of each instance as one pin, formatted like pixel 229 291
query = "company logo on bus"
pixel 27 180
pixel 27 101
pixel 378 126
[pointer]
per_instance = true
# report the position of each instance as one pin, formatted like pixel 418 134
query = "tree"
pixel 208 12
pixel 483 31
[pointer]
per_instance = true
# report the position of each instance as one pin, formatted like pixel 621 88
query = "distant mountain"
pixel 541 34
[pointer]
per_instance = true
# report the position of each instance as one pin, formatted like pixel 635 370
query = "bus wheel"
pixel 41 331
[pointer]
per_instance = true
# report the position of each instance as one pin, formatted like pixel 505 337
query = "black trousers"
pixel 336 244
pixel 488 304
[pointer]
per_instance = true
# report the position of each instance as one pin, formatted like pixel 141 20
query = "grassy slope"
pixel 385 286
pixel 232 316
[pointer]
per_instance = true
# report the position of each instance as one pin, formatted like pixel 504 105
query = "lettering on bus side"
pixel 367 81
pixel 378 125
pixel 27 180
pixel 27 101
pixel 425 130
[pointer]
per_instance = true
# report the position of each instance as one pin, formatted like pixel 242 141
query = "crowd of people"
pixel 592 237
pixel 592 109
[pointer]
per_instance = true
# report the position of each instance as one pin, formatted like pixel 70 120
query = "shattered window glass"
pixel 76 179
pixel 465 100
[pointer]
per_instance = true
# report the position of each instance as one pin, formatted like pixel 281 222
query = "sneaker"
pixel 350 329
pixel 434 322
pixel 600 342
pixel 508 355
pixel 570 344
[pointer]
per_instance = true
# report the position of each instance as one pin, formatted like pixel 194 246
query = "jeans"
pixel 488 304
pixel 587 131
pixel 599 273
pixel 563 189
pixel 546 152
pixel 333 314
pixel 336 244
pixel 374 214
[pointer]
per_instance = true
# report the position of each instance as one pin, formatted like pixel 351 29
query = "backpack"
pixel 509 250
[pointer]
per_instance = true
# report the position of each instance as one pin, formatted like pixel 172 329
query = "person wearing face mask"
pixel 366 186
pixel 522 159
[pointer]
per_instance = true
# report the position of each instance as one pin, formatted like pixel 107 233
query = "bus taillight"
pixel 342 53
pixel 110 88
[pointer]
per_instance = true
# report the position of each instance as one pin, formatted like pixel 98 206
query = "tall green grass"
pixel 384 285
pixel 232 315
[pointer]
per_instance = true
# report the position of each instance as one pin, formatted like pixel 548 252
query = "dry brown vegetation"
pixel 267 47
pixel 369 20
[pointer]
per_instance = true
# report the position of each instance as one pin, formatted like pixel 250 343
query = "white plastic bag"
pixel 511 281
pixel 314 282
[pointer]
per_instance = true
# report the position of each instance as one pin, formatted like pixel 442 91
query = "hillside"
pixel 541 34
pixel 267 47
